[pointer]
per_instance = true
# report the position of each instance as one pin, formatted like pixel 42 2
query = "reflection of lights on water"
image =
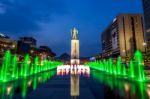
pixel 148 85
pixel 29 83
pixel 13 46
pixel 127 87
pixel 73 69
pixel 148 92
pixel 9 89
pixel 39 79
pixel 42 64
pixel 29 61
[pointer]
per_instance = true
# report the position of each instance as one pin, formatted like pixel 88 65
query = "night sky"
pixel 50 21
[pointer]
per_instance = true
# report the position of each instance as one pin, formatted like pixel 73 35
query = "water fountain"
pixel 5 66
pixel 135 70
pixel 124 70
pixel 131 69
pixel 14 67
pixel 110 66
pixel 26 65
pixel 119 63
pixel 35 65
pixel 139 66
pixel 11 69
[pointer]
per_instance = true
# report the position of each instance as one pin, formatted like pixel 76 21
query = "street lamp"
pixel 144 44
pixel 31 51
pixel 124 52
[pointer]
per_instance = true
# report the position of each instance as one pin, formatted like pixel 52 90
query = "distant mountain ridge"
pixel 64 56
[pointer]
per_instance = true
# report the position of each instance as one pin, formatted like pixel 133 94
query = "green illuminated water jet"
pixel 131 69
pixel 14 67
pixel 11 69
pixel 35 65
pixel 5 66
pixel 139 71
pixel 135 70
pixel 26 64
pixel 119 63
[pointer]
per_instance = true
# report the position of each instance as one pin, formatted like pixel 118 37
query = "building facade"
pixel 123 36
pixel 6 44
pixel 146 8
pixel 23 48
pixel 27 45
pixel 28 40
pixel 106 42
pixel 44 52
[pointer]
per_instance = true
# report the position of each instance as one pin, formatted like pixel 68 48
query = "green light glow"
pixel 131 69
pixel 128 90
pixel 26 64
pixel 14 67
pixel 7 90
pixel 139 71
pixel 135 70
pixel 5 66
pixel 119 63
pixel 11 69
pixel 24 88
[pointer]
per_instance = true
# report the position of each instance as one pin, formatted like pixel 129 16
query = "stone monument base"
pixel 75 62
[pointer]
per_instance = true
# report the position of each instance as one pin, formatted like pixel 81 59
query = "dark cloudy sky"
pixel 50 21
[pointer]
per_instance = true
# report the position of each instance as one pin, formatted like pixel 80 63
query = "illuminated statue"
pixel 74 33
pixel 74 47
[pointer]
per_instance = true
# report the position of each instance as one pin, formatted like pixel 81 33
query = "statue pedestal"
pixel 75 52
pixel 75 62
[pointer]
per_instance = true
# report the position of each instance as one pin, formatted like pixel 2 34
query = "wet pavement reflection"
pixel 21 88
pixel 49 85
pixel 120 88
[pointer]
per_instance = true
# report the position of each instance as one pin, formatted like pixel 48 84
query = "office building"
pixel 28 40
pixel 26 45
pixel 123 36
pixel 44 52
pixel 146 8
pixel 6 44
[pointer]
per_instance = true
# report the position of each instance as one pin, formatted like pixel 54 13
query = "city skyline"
pixel 50 22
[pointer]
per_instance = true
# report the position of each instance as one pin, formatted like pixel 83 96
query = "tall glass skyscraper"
pixel 146 7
